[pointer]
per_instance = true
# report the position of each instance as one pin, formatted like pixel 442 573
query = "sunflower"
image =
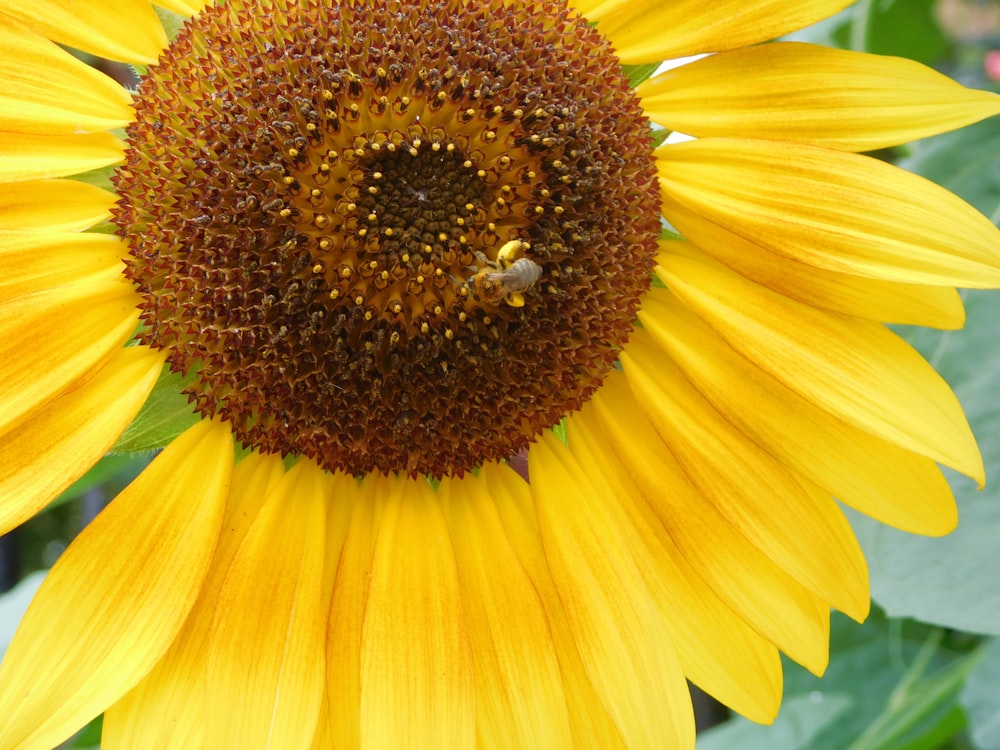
pixel 482 456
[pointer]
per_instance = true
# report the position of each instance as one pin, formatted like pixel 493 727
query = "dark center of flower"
pixel 391 236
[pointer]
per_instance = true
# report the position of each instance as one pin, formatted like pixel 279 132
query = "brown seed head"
pixel 309 183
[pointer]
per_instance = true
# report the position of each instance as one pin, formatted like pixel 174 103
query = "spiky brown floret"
pixel 309 184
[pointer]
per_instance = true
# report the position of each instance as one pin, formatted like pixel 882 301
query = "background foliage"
pixel 923 673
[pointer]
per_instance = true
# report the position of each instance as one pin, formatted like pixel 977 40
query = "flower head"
pixel 396 247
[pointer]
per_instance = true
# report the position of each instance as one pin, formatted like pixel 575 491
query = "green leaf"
pixel 90 737
pixel 801 719
pixel 922 711
pixel 636 74
pixel 906 28
pixel 103 471
pixel 165 415
pixel 891 671
pixel 981 698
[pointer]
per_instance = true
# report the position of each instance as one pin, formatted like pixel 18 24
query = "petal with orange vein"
pixel 417 681
pixel 123 30
pixel 74 97
pixel 127 584
pixel 166 710
pixel 616 624
pixel 590 722
pixel 266 667
pixel 652 30
pixel 43 455
pixel 844 292
pixel 806 93
pixel 365 500
pixel 834 210
pixel 797 526
pixel 889 483
pixel 857 370
pixel 54 205
pixel 26 156
pixel 32 261
pixel 718 650
pixel 57 335
pixel 519 692
pixel 767 597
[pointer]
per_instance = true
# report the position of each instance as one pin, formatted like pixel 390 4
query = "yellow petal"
pixel 166 710
pixel 54 337
pixel 857 370
pixel 122 30
pixel 348 606
pixel 873 299
pixel 805 93
pixel 33 261
pixel 891 484
pixel 838 211
pixel 519 694
pixel 590 722
pixel 186 8
pixel 44 89
pixel 266 668
pixel 45 454
pixel 126 584
pixel 798 527
pixel 615 623
pixel 53 205
pixel 26 156
pixel 767 597
pixel 417 683
pixel 718 651
pixel 652 30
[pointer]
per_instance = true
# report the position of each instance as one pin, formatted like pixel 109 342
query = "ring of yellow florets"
pixel 390 236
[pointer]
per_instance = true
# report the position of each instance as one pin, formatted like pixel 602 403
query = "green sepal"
pixel 165 415
pixel 636 74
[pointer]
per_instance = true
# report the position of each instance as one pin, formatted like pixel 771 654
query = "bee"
pixel 506 278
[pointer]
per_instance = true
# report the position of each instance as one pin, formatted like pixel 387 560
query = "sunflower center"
pixel 390 236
